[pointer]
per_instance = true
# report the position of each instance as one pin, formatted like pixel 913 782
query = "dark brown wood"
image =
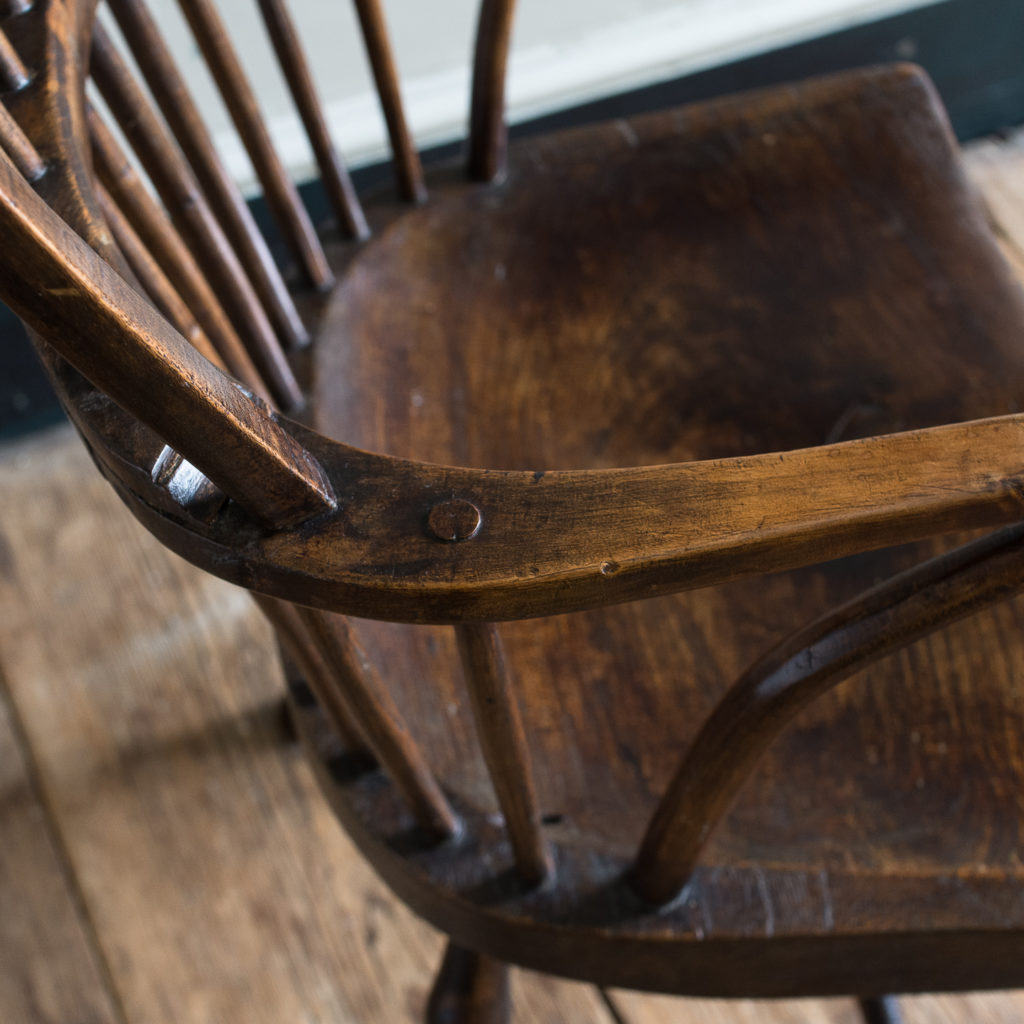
pixel 370 706
pixel 500 731
pixel 767 697
pixel 469 989
pixel 566 541
pixel 100 325
pixel 17 146
pixel 333 174
pixel 660 358
pixel 133 198
pixel 320 678
pixel 192 216
pixel 155 282
pixel 281 195
pixel 881 1010
pixel 175 102
pixel 488 132
pixel 13 73
pixel 196 806
pixel 408 168
pixel 806 266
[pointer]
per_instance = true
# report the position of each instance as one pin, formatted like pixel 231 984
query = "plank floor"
pixel 165 857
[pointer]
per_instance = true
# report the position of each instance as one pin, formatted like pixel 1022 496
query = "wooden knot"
pixel 453 520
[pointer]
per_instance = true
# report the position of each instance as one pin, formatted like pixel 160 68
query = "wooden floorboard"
pixel 975 1008
pixel 640 1008
pixel 220 885
pixel 162 845
pixel 997 168
pixel 50 971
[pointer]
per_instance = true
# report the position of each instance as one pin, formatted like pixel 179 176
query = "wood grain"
pixel 758 707
pixel 976 1008
pixel 636 1008
pixel 408 169
pixel 13 73
pixel 820 237
pixel 69 274
pixel 18 148
pixel 156 724
pixel 51 971
pixel 190 212
pixel 172 96
pixel 116 173
pixel 280 193
pixel 369 705
pixel 499 729
pixel 154 281
pixel 334 175
pixel 133 676
pixel 488 133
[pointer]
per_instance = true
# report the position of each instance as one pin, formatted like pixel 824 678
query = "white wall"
pixel 564 51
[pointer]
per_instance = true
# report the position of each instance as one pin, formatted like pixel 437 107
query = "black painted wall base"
pixel 973 49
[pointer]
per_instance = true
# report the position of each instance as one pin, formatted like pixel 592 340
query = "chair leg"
pixel 470 989
pixel 881 1010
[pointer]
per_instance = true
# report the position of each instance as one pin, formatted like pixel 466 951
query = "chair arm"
pixel 561 541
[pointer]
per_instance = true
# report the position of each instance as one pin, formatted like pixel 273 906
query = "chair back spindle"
pixel 186 203
pixel 128 192
pixel 281 195
pixel 488 133
pixel 17 146
pixel 101 326
pixel 335 527
pixel 333 173
pixel 408 169
pixel 155 282
pixel 183 118
pixel 13 73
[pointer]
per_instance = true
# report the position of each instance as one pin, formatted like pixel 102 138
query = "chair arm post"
pixel 802 668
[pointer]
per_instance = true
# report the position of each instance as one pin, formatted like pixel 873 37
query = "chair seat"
pixel 780 270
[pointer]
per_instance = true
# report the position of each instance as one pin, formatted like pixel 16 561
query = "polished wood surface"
pixel 172 95
pixel 488 133
pixel 162 837
pixel 154 281
pixel 334 175
pixel 171 858
pixel 503 742
pixel 408 168
pixel 116 174
pixel 190 212
pixel 612 699
pixel 279 191
pixel 785 314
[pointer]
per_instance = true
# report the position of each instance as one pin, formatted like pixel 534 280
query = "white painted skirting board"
pixel 603 59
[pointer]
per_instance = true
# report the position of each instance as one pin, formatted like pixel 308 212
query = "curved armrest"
pixel 561 541
pixel 324 524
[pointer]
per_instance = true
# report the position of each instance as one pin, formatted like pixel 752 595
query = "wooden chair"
pixel 782 312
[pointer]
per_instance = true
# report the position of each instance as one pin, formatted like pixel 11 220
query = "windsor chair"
pixel 782 312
